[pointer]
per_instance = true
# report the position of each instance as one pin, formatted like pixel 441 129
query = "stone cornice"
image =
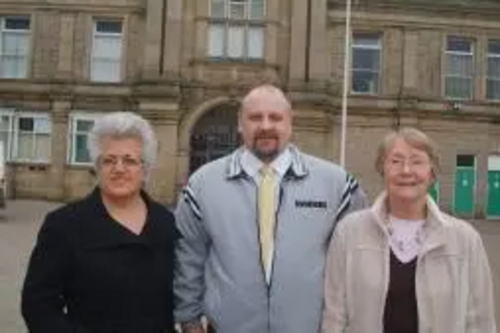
pixel 71 89
pixel 229 64
pixel 430 15
pixel 114 6
pixel 425 6
pixel 428 20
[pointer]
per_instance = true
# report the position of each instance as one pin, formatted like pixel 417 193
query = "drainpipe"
pixel 307 59
pixel 162 39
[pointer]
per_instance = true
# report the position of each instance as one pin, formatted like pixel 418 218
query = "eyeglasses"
pixel 397 164
pixel 128 162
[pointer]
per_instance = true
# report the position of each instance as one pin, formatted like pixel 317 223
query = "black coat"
pixel 90 274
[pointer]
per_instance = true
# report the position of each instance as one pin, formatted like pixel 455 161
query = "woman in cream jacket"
pixel 403 266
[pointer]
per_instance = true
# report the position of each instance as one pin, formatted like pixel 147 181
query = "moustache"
pixel 266 135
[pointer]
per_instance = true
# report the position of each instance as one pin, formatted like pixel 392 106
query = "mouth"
pixel 267 138
pixel 403 186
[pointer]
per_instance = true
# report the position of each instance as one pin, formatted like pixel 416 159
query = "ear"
pixel 240 126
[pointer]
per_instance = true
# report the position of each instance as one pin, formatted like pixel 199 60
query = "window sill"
pixel 14 79
pixel 30 165
pixel 79 166
pixel 364 94
pixel 227 62
pixel 28 162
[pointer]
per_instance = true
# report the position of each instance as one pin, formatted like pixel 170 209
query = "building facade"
pixel 184 65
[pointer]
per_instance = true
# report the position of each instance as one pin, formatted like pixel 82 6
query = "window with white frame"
pixel 493 77
pixel 366 49
pixel 6 132
pixel 26 136
pixel 460 69
pixel 14 47
pixel 80 126
pixel 236 32
pixel 106 56
pixel 32 138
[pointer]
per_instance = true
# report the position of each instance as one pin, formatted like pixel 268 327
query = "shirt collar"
pixel 297 168
pixel 251 165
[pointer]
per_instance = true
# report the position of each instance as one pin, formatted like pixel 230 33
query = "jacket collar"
pixel 106 232
pixel 434 227
pixel 298 168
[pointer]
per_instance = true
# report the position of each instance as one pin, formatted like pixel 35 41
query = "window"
pixel 466 160
pixel 493 79
pixel 236 31
pixel 366 63
pixel 32 138
pixel 26 137
pixel 106 58
pixel 459 70
pixel 80 126
pixel 14 47
pixel 6 132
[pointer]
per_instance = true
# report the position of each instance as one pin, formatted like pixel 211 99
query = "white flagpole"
pixel 346 85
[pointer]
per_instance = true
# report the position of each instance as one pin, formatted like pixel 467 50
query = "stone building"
pixel 184 64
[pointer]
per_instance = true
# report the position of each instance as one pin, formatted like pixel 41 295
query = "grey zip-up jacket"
pixel 219 272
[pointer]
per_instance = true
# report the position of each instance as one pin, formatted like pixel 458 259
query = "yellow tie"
pixel 266 206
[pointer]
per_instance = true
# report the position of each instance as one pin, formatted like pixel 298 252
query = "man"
pixel 255 228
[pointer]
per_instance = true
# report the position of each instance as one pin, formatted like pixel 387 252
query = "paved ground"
pixel 19 225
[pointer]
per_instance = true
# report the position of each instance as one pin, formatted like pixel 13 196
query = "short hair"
pixel 415 138
pixel 124 125
pixel 265 89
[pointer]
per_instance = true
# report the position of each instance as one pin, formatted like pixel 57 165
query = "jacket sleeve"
pixel 480 317
pixel 191 252
pixel 335 308
pixel 353 198
pixel 42 299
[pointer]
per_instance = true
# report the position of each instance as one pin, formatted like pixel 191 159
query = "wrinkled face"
pixel 407 172
pixel 265 124
pixel 120 167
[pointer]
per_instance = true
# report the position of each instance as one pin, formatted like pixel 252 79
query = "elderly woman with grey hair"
pixel 404 266
pixel 105 264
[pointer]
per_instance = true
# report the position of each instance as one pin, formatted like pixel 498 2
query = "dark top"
pixel 401 313
pixel 89 274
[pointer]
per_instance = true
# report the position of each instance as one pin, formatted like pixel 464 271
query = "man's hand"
pixel 192 327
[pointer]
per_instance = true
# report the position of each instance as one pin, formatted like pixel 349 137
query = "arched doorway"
pixel 214 135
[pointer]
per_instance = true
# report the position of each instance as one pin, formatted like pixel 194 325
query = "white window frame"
pixel 24 58
pixel 99 58
pixel 72 134
pixel 230 25
pixel 450 76
pixel 495 79
pixel 372 47
pixel 13 145
pixel 9 113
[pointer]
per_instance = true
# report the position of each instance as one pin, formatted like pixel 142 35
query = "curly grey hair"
pixel 124 125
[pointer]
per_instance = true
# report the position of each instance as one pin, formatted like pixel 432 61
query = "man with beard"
pixel 255 228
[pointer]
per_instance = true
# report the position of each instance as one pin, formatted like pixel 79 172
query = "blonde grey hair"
pixel 124 125
pixel 269 90
pixel 415 138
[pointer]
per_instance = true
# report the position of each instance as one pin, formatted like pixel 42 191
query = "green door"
pixel 464 191
pixel 434 191
pixel 494 193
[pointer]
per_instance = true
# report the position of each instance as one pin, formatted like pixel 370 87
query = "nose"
pixel 120 165
pixel 266 123
pixel 406 167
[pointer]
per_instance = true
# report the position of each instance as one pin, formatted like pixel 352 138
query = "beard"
pixel 266 153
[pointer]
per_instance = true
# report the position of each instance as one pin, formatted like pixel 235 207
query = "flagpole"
pixel 347 60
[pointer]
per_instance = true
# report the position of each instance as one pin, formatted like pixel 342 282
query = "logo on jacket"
pixel 310 204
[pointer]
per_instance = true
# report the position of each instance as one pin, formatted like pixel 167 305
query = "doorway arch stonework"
pixel 189 124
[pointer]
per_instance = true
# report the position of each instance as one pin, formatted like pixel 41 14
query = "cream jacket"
pixel 453 280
